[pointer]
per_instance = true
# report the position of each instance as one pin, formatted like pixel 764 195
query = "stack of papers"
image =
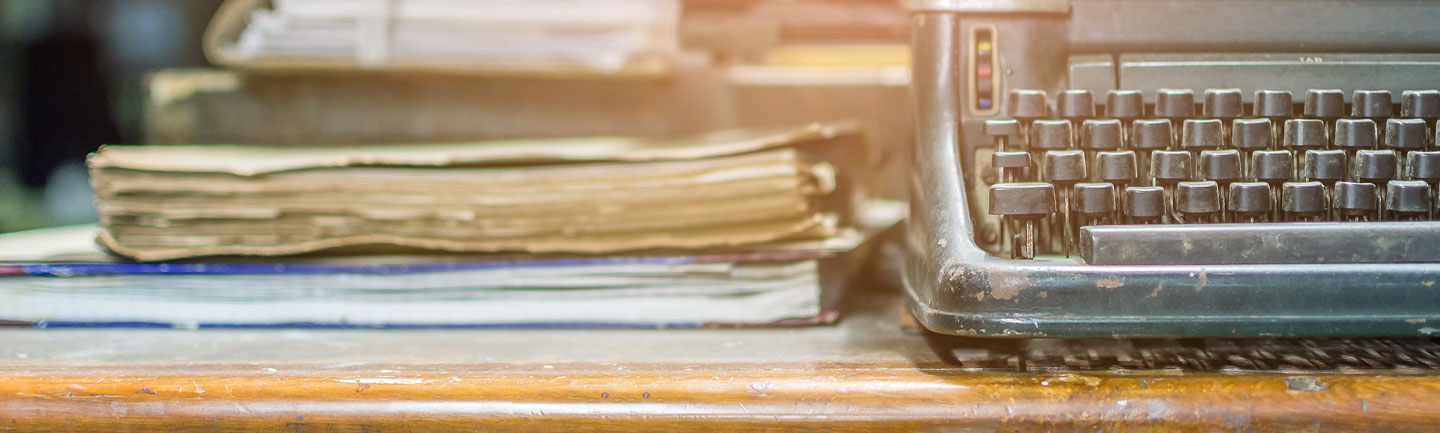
pixel 59 278
pixel 592 196
pixel 604 36
pixel 737 227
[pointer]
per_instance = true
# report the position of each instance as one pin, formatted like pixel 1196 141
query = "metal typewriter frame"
pixel 955 287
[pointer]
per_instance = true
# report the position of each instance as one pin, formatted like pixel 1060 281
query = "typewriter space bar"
pixel 1278 243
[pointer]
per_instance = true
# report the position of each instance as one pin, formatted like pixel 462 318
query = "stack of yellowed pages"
pixel 556 196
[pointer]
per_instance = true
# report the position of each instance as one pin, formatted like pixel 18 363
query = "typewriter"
pixel 1176 168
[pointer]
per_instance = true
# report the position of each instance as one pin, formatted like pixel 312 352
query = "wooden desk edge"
pixel 673 397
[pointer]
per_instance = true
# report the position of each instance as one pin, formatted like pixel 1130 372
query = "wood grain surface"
pixel 864 375
pixel 719 397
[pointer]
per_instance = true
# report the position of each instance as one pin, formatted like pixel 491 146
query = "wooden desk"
pixel 863 375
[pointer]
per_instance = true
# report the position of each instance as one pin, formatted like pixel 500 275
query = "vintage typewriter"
pixel 1185 168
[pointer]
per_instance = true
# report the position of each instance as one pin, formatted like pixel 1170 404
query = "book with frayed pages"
pixel 58 278
pixel 735 227
pixel 584 195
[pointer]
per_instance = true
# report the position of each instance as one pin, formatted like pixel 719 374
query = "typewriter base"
pixel 1078 326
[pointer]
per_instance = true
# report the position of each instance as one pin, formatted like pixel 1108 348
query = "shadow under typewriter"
pixel 1190 354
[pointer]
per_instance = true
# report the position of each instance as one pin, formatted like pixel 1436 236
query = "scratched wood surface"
pixel 864 375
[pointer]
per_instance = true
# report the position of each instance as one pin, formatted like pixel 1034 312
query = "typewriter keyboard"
pixel 1099 176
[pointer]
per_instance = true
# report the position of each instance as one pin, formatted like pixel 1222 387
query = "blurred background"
pixel 70 80
pixel 76 74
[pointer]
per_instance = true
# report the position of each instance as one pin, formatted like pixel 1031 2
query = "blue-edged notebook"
pixel 58 277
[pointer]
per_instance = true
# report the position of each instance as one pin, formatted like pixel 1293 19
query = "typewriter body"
pixel 1101 168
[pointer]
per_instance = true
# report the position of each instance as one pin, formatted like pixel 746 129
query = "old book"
pixel 584 195
pixel 58 277
pixel 220 106
pixel 208 106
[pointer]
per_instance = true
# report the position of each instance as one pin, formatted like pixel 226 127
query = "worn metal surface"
pixel 956 287
pixel 1200 244
pixel 1295 72
pixel 1233 26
